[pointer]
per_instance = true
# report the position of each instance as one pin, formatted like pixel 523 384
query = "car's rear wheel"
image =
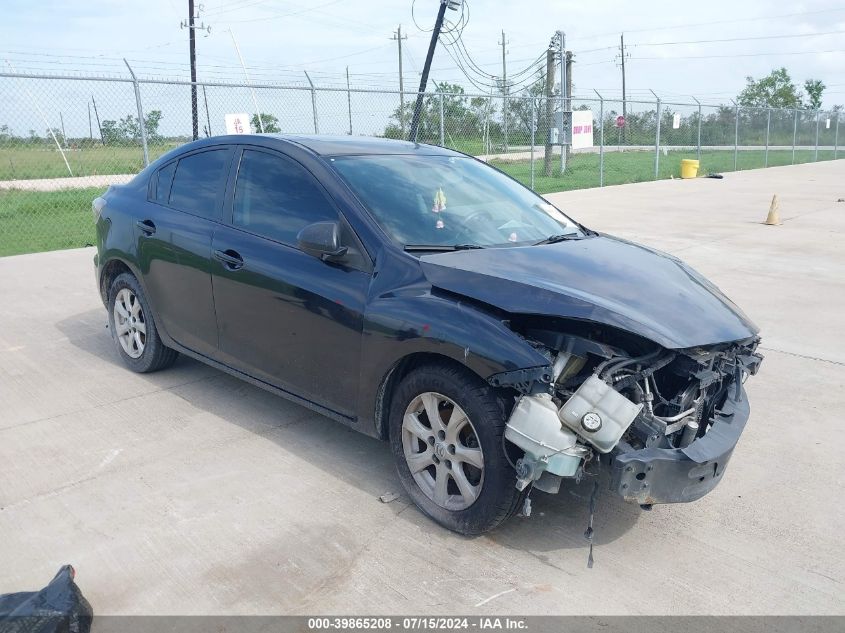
pixel 446 429
pixel 133 328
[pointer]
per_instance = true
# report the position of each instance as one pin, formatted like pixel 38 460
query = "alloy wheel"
pixel 442 451
pixel 129 323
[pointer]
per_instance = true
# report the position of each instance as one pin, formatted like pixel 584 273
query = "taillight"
pixel 97 207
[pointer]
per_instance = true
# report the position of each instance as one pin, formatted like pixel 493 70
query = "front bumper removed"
pixel 679 475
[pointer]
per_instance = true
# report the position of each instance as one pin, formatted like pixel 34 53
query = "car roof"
pixel 358 145
pixel 327 145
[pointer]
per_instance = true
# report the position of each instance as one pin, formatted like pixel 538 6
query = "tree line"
pixel 476 117
pixel 116 132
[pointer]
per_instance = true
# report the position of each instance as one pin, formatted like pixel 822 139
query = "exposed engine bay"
pixel 616 397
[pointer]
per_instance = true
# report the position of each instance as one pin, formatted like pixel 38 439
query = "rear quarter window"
pixel 163 180
pixel 198 183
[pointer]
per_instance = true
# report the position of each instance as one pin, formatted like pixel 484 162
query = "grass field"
pixel 620 168
pixel 33 221
pixel 26 163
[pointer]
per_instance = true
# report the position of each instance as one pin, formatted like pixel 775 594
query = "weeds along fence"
pixel 65 139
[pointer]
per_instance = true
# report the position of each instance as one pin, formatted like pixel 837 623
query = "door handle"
pixel 147 227
pixel 231 259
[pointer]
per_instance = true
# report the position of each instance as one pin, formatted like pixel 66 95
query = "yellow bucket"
pixel 689 168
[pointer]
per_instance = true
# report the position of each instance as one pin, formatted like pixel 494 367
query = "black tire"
pixel 498 498
pixel 155 354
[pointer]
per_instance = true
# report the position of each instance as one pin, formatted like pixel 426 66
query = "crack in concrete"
pixel 804 356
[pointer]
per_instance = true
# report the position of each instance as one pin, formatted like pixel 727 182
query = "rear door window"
pixel 198 183
pixel 275 197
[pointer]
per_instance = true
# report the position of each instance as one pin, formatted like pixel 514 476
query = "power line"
pixel 485 84
pixel 477 84
pixel 774 53
pixel 466 63
pixel 606 61
pixel 716 22
pixel 287 15
pixel 118 61
pixel 209 71
pixel 593 50
pixel 110 63
pixel 272 72
pixel 531 68
pixel 232 6
pixel 454 39
pixel 448 26
pixel 331 20
pixel 120 51
pixel 743 39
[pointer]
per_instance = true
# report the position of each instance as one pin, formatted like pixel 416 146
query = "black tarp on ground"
pixel 59 607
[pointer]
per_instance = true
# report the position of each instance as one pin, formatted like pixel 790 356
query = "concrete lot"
pixel 190 492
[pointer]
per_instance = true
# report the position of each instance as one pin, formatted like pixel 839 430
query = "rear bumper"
pixel 679 475
pixel 98 276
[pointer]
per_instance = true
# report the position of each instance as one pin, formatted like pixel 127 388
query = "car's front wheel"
pixel 133 328
pixel 446 429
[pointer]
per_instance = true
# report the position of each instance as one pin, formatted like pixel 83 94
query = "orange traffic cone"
pixel 773 219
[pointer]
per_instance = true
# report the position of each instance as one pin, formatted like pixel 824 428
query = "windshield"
pixel 450 201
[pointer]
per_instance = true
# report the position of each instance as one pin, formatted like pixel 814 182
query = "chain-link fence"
pixel 64 139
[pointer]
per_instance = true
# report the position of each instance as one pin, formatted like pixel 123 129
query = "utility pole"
pixel 62 121
pixel 397 35
pixel 503 44
pixel 561 43
pixel 624 104
pixel 90 125
pixel 192 46
pixel 435 35
pixel 548 114
pixel 568 102
pixel 192 52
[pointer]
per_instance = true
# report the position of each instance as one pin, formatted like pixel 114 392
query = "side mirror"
pixel 321 239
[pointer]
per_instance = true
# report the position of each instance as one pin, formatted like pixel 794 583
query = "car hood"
pixel 601 279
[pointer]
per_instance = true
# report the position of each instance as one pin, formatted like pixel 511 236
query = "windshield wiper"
pixel 440 247
pixel 563 237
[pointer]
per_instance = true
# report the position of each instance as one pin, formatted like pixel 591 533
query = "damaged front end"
pixel 666 420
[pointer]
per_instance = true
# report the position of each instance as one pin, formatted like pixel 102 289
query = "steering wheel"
pixel 470 219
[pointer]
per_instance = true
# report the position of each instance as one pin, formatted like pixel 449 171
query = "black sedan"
pixel 425 298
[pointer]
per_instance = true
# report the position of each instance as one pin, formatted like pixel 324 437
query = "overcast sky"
pixel 281 38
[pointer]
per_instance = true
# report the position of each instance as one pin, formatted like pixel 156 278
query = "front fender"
pixel 397 326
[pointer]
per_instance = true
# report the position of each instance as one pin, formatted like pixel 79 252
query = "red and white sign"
pixel 238 123
pixel 582 129
pixel 620 121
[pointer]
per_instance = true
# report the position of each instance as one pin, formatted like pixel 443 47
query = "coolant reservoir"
pixel 599 413
pixel 535 428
